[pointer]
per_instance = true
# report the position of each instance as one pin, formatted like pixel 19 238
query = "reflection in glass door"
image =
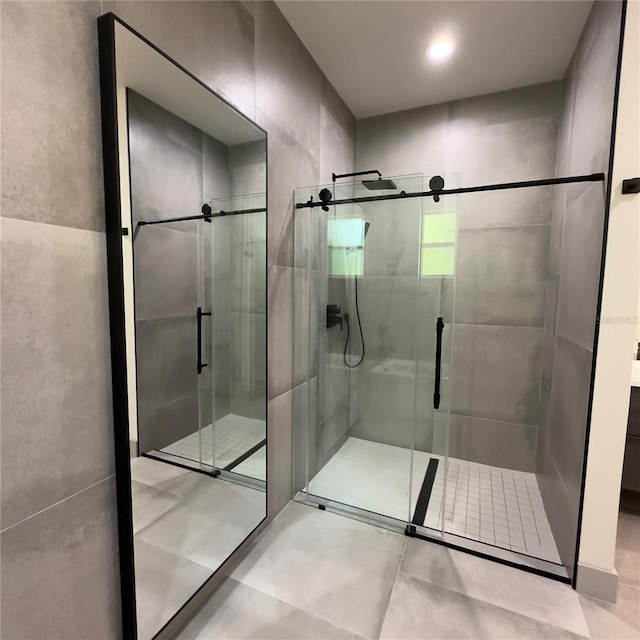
pixel 226 345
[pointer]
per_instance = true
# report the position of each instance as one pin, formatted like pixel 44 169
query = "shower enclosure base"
pixel 239 444
pixel 489 508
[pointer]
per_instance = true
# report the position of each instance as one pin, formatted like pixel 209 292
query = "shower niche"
pixel 422 406
pixel 185 191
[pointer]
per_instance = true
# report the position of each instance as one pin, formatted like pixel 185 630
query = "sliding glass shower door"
pixel 371 348
pixel 231 337
pixel 217 354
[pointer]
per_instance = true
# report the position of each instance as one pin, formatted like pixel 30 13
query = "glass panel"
pixel 437 284
pixel 355 424
pixel 233 386
pixel 505 309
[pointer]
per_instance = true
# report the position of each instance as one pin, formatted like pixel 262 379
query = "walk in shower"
pixel 421 313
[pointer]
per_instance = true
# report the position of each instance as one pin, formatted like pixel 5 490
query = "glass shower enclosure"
pixel 425 330
pixel 214 414
pixel 372 349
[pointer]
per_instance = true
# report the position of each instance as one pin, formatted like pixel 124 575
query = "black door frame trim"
pixel 607 210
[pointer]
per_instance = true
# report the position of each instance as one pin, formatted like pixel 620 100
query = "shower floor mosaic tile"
pixel 496 506
pixel 488 504
pixel 233 436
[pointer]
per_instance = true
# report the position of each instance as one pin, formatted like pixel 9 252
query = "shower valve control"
pixel 334 318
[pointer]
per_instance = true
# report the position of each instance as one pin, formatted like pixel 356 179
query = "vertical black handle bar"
pixel 199 314
pixel 436 388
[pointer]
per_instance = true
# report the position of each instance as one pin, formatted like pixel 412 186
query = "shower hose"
pixel 346 344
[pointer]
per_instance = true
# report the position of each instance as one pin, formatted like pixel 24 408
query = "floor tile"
pixel 164 582
pixel 332 567
pixel 237 611
pixel 421 610
pixel 152 473
pixel 620 621
pixel 207 525
pixel 627 560
pixel 149 504
pixel 524 593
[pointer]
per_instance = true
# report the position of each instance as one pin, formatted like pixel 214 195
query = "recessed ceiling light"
pixel 440 50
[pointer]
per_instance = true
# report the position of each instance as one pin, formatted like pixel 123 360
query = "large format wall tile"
pixel 288 81
pixel 567 420
pixel 501 276
pixel 247 356
pixel 499 444
pixel 51 114
pixel 279 470
pixel 280 330
pixel 290 166
pixel 493 153
pixel 595 77
pixel 337 134
pixel 506 106
pixel 496 372
pixel 550 329
pixel 216 169
pixel 558 205
pixel 580 267
pixel 392 245
pixel 248 168
pixel 167 423
pixel 56 380
pixel 507 208
pixel 166 273
pixel 404 143
pixel 388 310
pixel 59 570
pixel 166 164
pixel 166 360
pixel 213 40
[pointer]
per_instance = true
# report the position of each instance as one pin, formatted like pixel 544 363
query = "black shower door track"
pixel 593 177
pixel 201 216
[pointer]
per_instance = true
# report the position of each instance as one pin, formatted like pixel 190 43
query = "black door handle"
pixel 436 387
pixel 199 314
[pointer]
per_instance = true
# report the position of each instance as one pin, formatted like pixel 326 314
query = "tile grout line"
pixel 55 504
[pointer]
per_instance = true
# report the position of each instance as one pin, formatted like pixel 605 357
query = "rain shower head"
pixel 379 184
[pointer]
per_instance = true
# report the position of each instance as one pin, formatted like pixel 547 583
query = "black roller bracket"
pixel 124 231
pixel 631 185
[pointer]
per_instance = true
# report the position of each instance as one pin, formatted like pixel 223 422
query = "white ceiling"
pixel 372 51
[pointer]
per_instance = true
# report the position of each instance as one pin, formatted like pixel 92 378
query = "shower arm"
pixel 336 176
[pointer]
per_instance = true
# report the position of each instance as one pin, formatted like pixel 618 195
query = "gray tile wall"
pixel 574 271
pixel 59 546
pixel 501 271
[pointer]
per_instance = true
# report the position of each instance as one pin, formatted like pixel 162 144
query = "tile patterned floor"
pixel 314 574
pixel 497 506
pixel 233 436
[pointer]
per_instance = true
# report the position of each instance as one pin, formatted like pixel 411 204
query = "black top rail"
pixel 203 216
pixel 594 177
